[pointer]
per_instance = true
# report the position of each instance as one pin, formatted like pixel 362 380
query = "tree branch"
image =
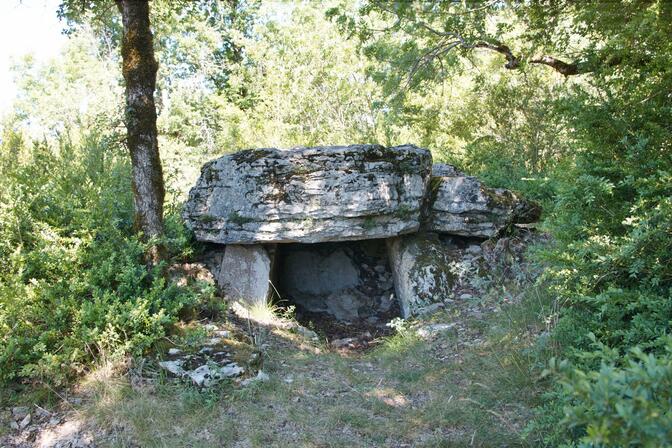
pixel 432 54
pixel 512 62
pixel 558 65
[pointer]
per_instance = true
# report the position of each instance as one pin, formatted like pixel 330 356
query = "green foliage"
pixel 595 148
pixel 73 284
pixel 612 223
pixel 624 403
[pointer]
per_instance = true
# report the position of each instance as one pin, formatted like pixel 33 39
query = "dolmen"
pixel 251 205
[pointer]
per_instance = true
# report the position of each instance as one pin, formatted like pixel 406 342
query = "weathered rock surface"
pixel 204 368
pixel 430 330
pixel 261 377
pixel 421 266
pixel 331 193
pixel 245 273
pixel 339 203
pixel 462 205
pixel 445 170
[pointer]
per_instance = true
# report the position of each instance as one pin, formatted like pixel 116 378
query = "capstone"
pixel 310 195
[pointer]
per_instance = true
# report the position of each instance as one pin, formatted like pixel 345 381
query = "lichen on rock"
pixel 462 205
pixel 330 193
pixel 421 267
pixel 339 194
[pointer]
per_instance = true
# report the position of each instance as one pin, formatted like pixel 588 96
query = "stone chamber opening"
pixel 339 289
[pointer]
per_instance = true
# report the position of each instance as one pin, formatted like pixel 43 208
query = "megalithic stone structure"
pixel 255 199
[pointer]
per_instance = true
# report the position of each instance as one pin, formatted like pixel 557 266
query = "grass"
pixel 473 387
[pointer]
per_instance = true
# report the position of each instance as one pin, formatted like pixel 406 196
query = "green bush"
pixel 623 404
pixel 609 271
pixel 73 284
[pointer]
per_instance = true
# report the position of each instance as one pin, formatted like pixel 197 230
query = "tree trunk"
pixel 139 70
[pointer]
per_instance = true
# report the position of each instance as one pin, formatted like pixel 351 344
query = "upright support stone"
pixel 421 271
pixel 245 273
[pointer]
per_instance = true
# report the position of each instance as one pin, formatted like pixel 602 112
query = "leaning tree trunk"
pixel 139 70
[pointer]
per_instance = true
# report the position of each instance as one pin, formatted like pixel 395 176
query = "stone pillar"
pixel 245 272
pixel 421 271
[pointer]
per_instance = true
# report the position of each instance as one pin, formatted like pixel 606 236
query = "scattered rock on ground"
pixel 306 333
pixel 430 309
pixel 205 375
pixel 428 331
pixel 213 341
pixel 20 412
pixel 260 377
pixel 173 367
pixel 37 427
pixel 205 365
pixel 25 421
pixel 344 342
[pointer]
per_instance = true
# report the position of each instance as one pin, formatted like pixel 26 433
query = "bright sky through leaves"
pixel 26 27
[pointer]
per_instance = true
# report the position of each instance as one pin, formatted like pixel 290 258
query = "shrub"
pixel 622 406
pixel 73 283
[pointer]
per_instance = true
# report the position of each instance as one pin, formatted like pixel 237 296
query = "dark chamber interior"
pixel 340 289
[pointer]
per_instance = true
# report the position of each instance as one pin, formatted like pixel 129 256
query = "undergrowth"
pixel 73 283
pixel 472 387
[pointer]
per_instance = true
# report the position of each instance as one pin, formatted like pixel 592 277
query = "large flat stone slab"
pixel 309 195
pixel 462 205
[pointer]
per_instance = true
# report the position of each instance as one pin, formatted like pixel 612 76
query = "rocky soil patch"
pixel 59 427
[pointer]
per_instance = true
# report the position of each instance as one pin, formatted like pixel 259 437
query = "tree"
pixel 139 68
pixel 572 38
pixel 174 23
